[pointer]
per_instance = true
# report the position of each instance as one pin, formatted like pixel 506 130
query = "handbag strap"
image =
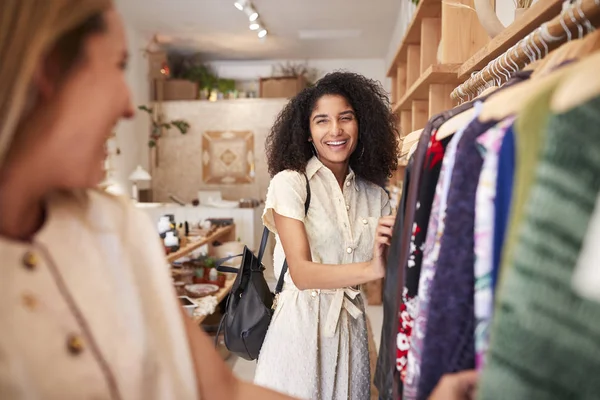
pixel 284 269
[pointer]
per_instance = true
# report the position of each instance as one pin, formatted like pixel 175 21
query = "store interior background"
pixel 223 29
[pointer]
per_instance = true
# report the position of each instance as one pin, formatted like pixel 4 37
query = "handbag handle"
pixel 284 269
pixel 263 245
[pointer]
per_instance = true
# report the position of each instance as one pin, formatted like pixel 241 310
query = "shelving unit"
pixel 440 37
pixel 537 14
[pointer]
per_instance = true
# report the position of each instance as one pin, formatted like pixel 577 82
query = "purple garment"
pixel 449 344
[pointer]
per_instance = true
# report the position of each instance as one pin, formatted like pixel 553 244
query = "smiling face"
pixel 334 130
pixel 88 100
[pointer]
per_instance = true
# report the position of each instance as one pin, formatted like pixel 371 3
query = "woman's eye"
pixel 321 121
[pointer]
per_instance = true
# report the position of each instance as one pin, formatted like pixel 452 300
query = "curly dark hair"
pixel 287 145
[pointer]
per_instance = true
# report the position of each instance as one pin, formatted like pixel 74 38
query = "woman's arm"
pixel 214 378
pixel 310 275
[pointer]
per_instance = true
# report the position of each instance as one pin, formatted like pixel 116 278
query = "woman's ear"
pixel 46 77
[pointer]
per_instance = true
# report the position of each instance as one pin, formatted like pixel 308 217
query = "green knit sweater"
pixel 545 341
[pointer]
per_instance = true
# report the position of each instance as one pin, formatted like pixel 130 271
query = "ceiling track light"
pixel 240 4
pixel 250 11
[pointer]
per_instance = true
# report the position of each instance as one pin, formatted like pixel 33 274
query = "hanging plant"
pixel 158 125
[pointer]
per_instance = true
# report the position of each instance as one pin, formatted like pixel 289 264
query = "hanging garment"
pixel 431 171
pixel 430 253
pixel 545 337
pixel 586 278
pixel 503 199
pixel 393 274
pixel 316 346
pixel 386 377
pixel 489 145
pixel 449 342
pixel 530 128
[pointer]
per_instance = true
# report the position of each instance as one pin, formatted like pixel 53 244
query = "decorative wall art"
pixel 228 157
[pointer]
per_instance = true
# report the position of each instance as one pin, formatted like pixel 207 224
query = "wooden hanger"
pixel 581 85
pixel 409 140
pixel 450 127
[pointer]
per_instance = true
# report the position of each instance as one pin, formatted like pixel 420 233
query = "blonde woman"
pixel 87 310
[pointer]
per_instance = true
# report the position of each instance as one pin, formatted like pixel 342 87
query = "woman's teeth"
pixel 338 143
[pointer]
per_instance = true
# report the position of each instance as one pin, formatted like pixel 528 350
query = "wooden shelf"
pixel 435 74
pixel 227 232
pixel 426 9
pixel 540 12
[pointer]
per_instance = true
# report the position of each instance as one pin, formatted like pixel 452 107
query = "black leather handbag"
pixel 250 304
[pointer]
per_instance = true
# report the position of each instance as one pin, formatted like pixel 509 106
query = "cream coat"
pixel 87 310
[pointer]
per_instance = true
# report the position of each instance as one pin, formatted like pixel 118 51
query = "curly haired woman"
pixel 340 136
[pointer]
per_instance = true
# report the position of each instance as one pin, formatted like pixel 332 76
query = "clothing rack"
pixel 575 21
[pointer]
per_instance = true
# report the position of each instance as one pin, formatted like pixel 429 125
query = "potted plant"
pixel 158 125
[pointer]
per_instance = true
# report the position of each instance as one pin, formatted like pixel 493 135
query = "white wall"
pixel 405 15
pixel 132 135
pixel 373 68
pixel 506 11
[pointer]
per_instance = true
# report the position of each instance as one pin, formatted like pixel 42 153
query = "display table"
pixel 225 234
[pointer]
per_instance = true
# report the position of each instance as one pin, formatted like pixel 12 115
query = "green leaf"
pixel 151 143
pixel 146 109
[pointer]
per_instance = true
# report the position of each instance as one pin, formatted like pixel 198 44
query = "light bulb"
pixel 239 5
pixel 253 17
pixel 254 26
pixel 262 33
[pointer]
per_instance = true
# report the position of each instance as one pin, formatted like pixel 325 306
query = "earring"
pixel 362 152
pixel 314 148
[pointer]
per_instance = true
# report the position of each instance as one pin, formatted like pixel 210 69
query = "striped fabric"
pixel 545 338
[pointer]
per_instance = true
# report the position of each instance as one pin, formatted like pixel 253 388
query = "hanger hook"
pixel 516 67
pixel 537 49
pixel 543 40
pixel 503 66
pixel 529 45
pixel 564 26
pixel 576 22
pixel 526 51
pixel 588 25
pixel 500 69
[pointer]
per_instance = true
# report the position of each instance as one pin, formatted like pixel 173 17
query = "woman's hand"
pixel 459 386
pixel 383 238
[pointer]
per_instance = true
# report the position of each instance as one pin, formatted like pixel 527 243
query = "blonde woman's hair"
pixel 29 29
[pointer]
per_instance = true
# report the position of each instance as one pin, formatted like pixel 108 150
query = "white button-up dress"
pixel 316 346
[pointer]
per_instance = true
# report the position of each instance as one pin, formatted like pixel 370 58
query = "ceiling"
pixel 217 30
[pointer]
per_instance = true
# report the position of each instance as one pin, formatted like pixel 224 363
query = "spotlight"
pixel 262 33
pixel 239 5
pixel 253 16
pixel 254 26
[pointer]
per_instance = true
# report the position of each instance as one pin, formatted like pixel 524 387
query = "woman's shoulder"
pixel 288 177
pixel 103 211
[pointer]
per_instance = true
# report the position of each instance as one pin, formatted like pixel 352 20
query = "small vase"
pixel 171 240
pixel 164 224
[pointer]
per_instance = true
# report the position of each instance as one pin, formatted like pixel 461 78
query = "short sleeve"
pixel 286 197
pixel 386 208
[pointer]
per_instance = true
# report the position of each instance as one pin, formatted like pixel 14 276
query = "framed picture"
pixel 228 157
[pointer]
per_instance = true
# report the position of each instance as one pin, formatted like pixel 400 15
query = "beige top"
pixel 340 223
pixel 87 310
